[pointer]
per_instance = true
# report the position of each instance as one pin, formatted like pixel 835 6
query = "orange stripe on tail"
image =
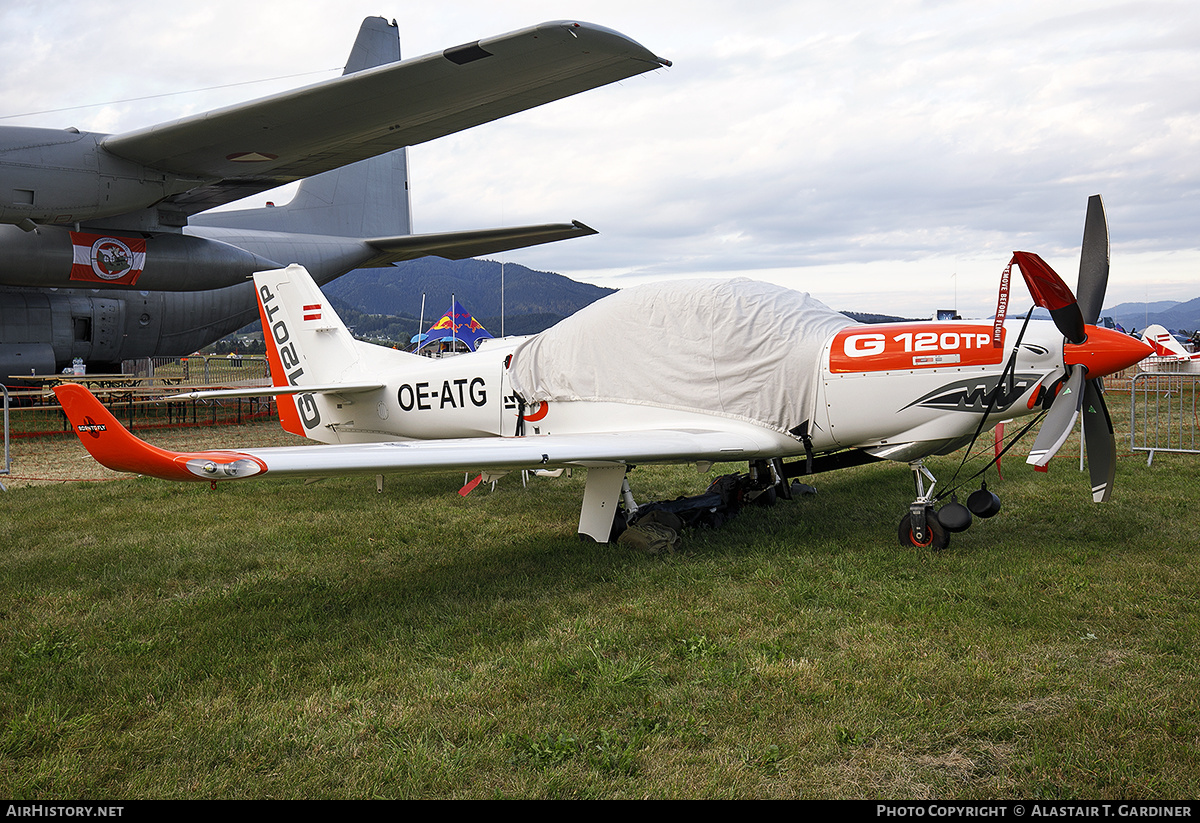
pixel 289 417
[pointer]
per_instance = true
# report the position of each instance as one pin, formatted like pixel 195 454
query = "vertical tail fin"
pixel 309 345
pixel 1163 343
pixel 365 199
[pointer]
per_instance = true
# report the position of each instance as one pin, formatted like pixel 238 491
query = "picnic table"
pixel 97 381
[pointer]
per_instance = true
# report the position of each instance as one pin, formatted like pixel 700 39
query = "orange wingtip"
pixel 114 447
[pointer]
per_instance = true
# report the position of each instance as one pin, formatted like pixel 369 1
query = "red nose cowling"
pixel 1105 351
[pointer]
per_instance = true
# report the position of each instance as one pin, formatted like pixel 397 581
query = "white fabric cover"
pixel 738 348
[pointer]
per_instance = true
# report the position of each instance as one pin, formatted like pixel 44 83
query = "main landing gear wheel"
pixel 936 536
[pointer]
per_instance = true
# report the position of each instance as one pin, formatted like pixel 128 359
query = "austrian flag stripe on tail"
pixel 100 258
pixel 312 312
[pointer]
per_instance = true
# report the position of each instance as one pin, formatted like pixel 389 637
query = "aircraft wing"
pixel 254 146
pixel 114 447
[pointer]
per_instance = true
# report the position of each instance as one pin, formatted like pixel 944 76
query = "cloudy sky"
pixel 885 156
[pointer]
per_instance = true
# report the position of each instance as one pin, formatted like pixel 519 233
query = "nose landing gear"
pixel 920 527
pixel 925 528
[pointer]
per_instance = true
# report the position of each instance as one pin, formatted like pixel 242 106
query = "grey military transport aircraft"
pixel 107 248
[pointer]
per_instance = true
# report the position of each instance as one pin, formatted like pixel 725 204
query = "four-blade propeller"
pixel 1089 353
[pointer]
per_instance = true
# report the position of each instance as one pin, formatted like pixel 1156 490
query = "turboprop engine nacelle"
pixel 57 257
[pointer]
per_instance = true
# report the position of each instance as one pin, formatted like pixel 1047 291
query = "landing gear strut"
pixel 920 527
pixel 766 483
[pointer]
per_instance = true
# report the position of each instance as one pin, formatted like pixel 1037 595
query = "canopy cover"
pixel 738 348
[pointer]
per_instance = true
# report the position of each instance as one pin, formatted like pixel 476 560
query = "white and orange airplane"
pixel 1169 353
pixel 700 372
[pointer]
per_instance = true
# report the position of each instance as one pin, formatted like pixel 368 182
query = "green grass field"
pixel 281 640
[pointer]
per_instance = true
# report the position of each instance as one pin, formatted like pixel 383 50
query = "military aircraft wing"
pixel 264 143
pixel 116 448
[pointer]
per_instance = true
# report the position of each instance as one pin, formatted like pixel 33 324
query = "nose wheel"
pixel 920 528
pixel 931 533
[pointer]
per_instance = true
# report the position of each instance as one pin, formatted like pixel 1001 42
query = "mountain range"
pixel 1167 313
pixel 424 288
pixel 398 301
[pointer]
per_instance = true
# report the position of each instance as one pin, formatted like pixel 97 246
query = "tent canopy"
pixel 456 324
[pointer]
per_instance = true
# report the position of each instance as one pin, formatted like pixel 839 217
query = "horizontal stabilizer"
pixel 268 391
pixel 460 245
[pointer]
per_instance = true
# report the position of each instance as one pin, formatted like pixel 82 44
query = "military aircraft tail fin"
pixel 365 199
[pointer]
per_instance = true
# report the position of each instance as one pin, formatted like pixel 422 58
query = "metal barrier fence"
pixel 7 469
pixel 1162 413
pixel 138 396
pixel 37 414
pixel 207 370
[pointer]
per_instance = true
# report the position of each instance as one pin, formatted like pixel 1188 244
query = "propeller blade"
pixel 1104 356
pixel 1093 262
pixel 1050 292
pixel 1061 419
pixel 1099 440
